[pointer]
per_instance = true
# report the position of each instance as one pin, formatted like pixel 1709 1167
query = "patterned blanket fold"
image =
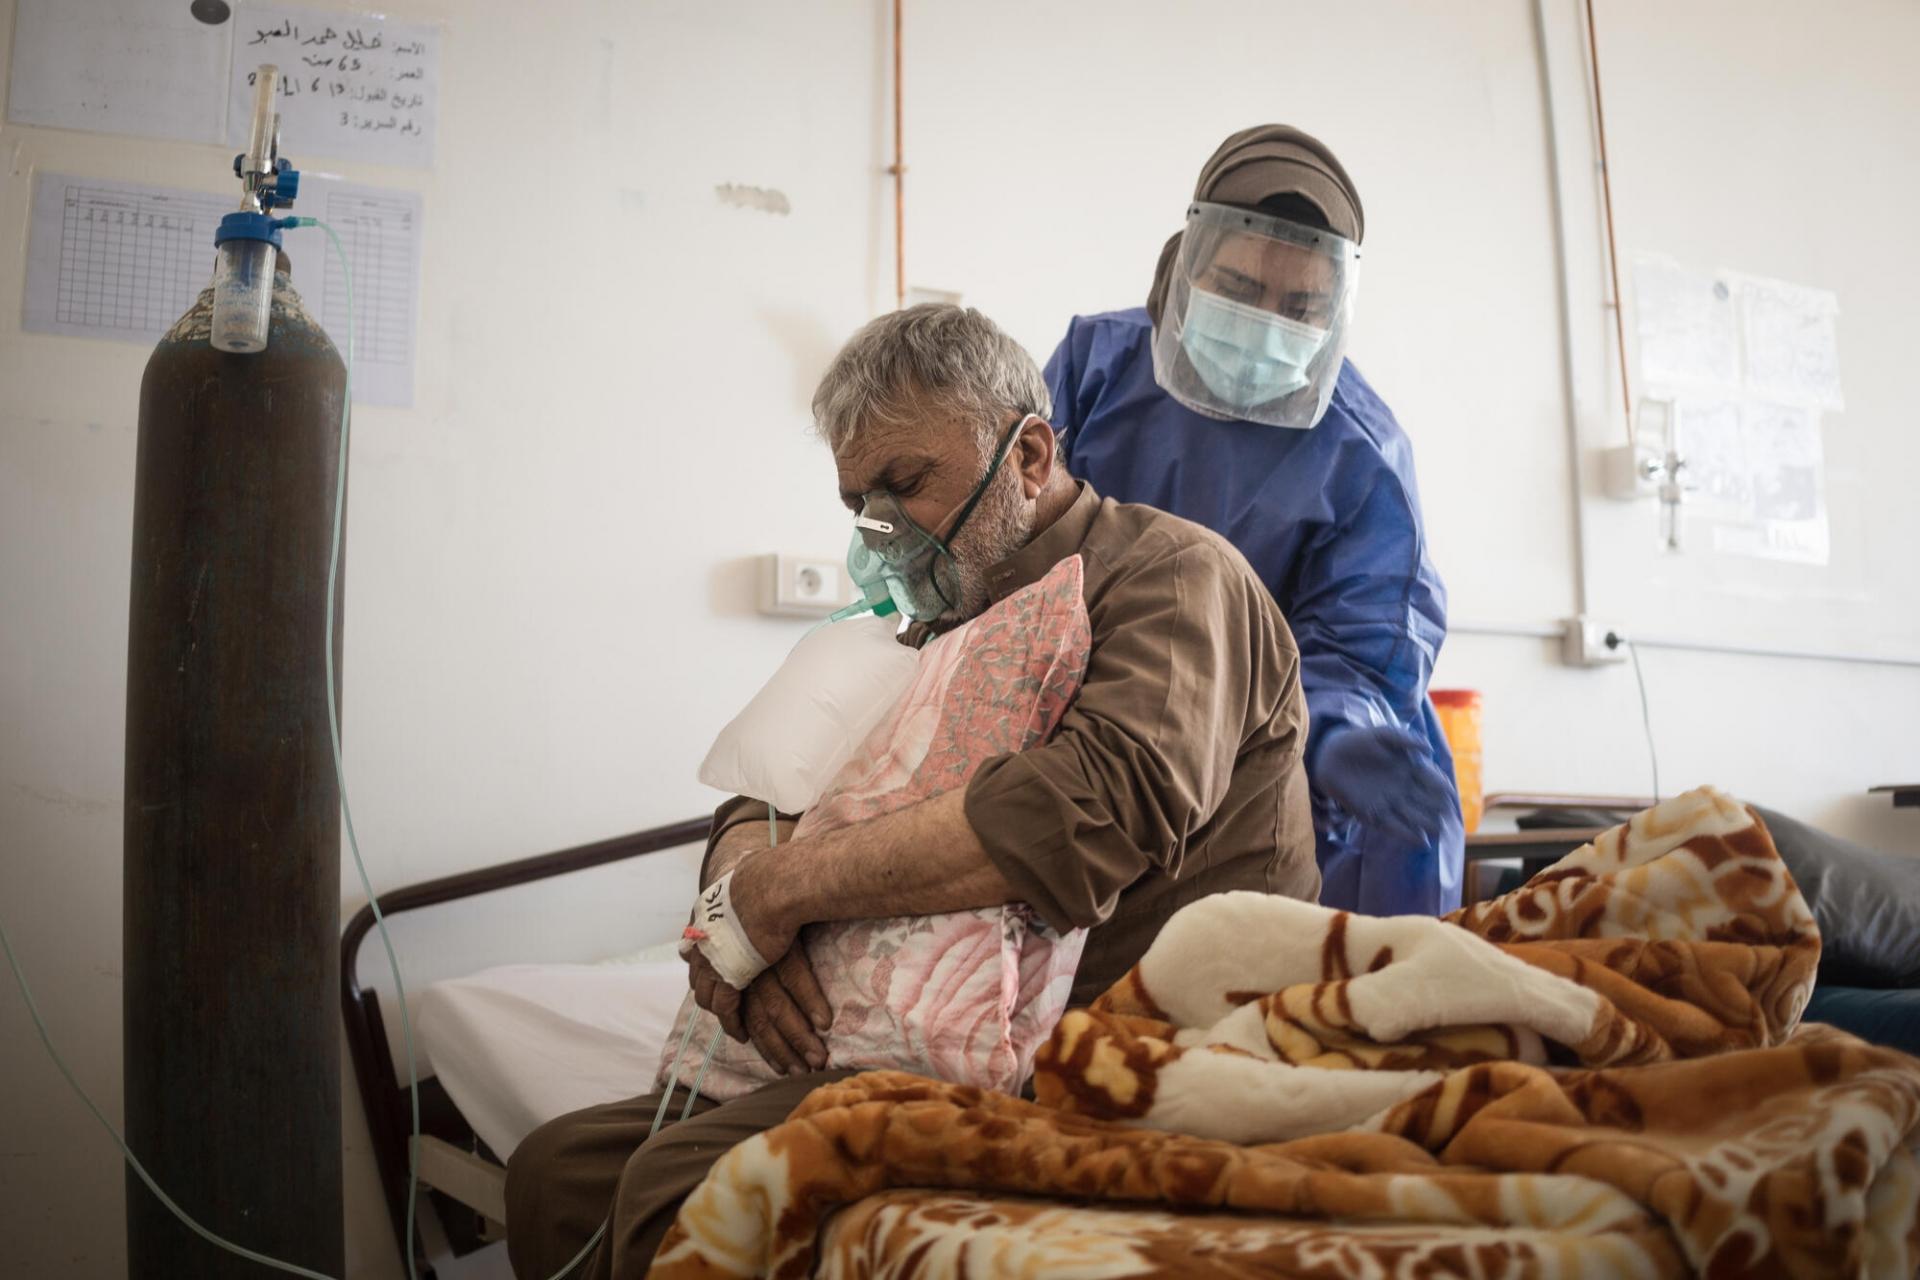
pixel 1599 1074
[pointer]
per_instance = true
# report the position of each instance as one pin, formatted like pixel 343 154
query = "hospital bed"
pixel 483 1039
pixel 491 1043
pixel 488 1033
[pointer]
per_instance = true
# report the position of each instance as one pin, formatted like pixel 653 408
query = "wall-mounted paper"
pixel 1750 364
pixel 380 230
pixel 1792 341
pixel 1685 321
pixel 1758 477
pixel 353 86
pixel 116 259
pixel 124 260
pixel 1712 440
pixel 1783 443
pixel 120 66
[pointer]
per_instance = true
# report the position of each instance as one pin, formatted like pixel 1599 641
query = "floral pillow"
pixel 965 996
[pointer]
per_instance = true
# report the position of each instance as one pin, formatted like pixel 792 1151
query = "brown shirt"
pixel 1177 771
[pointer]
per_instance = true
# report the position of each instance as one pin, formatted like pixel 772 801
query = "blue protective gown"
pixel 1330 520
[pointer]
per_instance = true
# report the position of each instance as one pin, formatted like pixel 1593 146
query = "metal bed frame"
pixel 464 1181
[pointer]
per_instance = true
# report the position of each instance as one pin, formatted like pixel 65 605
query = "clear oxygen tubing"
pixel 1646 716
pixel 713 1045
pixel 879 607
pixel 353 843
pixel 133 1161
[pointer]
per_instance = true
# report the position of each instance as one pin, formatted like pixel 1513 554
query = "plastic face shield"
pixel 892 556
pixel 1256 317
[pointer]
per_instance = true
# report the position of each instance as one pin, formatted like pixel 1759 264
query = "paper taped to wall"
pixel 123 260
pixel 380 229
pixel 1728 331
pixel 1759 477
pixel 1685 323
pixel 353 86
pixel 1709 435
pixel 120 66
pixel 1750 363
pixel 1791 337
pixel 116 259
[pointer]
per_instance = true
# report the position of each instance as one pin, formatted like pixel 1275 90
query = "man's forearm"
pixel 917 861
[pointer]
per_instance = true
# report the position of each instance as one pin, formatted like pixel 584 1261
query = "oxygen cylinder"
pixel 232 838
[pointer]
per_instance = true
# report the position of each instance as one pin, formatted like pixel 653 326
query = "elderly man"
pixel 1176 773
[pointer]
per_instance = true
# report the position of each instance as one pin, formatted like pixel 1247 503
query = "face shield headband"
pixel 898 564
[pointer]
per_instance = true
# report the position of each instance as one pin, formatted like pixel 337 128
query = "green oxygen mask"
pixel 898 564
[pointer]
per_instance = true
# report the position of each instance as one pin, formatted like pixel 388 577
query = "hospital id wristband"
pixel 717 935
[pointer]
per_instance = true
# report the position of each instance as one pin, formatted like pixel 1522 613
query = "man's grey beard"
pixel 1001 524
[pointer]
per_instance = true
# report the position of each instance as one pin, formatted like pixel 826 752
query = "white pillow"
pixel 820 705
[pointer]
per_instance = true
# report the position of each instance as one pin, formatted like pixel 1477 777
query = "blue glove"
pixel 1383 776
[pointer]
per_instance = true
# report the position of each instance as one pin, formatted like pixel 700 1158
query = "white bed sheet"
pixel 517 1045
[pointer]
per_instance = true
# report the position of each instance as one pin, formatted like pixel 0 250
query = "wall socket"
pixel 802 586
pixel 1584 643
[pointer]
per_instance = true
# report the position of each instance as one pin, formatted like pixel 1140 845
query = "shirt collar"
pixel 1065 536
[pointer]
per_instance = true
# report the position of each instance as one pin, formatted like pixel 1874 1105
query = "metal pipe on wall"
pixel 899 172
pixel 1606 203
pixel 1765 651
pixel 1570 381
pixel 1550 631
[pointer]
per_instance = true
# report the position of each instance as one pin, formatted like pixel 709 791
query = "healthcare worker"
pixel 1228 400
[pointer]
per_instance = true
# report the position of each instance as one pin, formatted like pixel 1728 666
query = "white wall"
pixel 547 613
pixel 1769 138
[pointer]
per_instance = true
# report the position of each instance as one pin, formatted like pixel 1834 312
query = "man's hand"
pixel 760 907
pixel 921 860
pixel 783 1011
pixel 711 992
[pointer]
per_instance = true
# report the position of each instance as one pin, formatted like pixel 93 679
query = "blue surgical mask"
pixel 1246 355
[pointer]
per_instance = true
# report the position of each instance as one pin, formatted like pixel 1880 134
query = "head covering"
pixel 1265 161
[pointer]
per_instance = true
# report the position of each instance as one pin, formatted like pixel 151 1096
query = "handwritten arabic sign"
pixel 353 86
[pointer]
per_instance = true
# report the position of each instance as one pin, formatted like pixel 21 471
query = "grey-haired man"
pixel 1176 773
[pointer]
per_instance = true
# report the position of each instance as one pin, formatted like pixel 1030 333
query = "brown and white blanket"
pixel 1598 1074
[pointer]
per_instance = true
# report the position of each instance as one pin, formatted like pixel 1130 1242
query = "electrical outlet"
pixel 802 586
pixel 1584 643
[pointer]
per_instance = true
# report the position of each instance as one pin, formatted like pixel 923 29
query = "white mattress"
pixel 518 1045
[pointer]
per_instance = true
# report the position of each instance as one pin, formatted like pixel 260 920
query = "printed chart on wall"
pixel 116 259
pixel 1750 365
pixel 121 260
pixel 381 233
pixel 355 86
